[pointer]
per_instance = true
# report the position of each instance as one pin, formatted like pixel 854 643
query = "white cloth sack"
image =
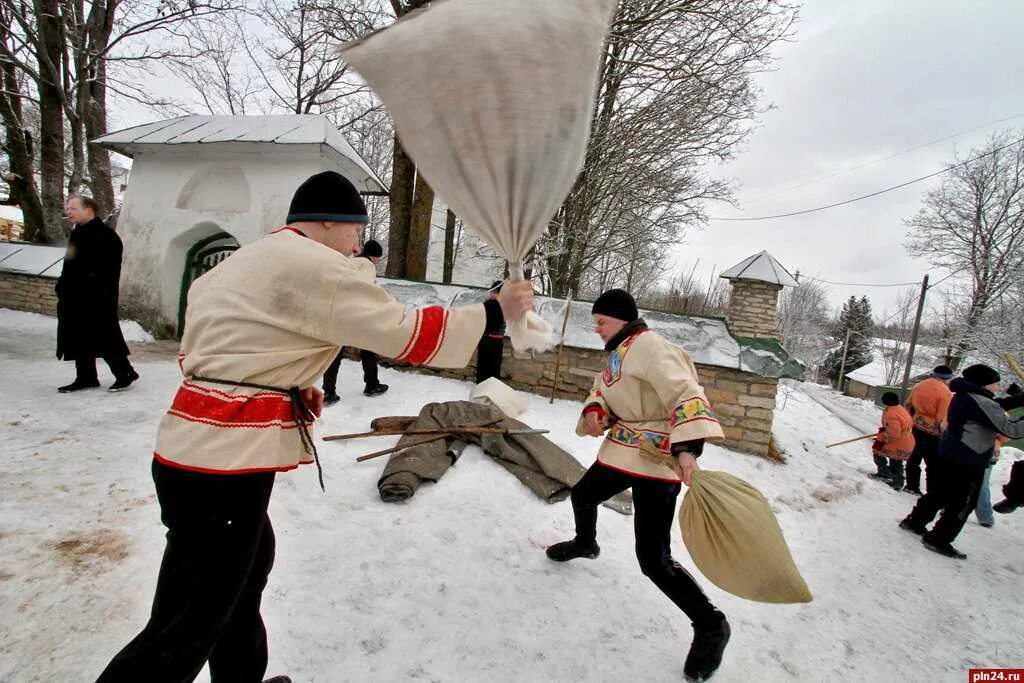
pixel 493 99
pixel 504 397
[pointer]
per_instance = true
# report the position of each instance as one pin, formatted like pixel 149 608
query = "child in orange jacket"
pixel 895 441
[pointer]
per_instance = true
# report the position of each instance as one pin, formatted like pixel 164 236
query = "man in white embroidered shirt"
pixel 260 329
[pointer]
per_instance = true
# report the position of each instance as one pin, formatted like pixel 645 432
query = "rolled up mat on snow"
pixel 735 540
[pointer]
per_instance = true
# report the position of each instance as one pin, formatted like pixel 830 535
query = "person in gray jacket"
pixel 965 450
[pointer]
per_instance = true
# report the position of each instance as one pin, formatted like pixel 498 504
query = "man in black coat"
pixel 489 350
pixel 87 289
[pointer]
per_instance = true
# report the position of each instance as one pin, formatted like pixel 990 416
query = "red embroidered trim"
pixel 427 339
pixel 440 341
pixel 636 474
pixel 199 404
pixel 208 470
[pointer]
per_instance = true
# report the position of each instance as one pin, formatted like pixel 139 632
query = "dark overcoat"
pixel 87 289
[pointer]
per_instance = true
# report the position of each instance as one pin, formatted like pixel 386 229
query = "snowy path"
pixel 454 585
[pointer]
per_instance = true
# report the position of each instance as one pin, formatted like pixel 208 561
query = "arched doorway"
pixel 201 258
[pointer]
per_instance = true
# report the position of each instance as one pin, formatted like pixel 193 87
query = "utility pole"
pixel 842 366
pixel 913 339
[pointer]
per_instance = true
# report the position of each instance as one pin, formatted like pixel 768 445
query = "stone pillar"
pixel 752 308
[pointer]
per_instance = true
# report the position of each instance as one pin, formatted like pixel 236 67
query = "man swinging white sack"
pixel 260 329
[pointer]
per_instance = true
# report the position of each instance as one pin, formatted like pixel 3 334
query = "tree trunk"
pixel 418 247
pixel 95 117
pixel 21 178
pixel 51 120
pixel 403 176
pixel 449 247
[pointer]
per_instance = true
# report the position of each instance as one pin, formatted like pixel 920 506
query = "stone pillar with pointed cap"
pixel 756 282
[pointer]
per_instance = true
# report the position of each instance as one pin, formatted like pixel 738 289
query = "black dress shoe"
pixel 122 383
pixel 78 385
pixel 375 390
pixel 331 399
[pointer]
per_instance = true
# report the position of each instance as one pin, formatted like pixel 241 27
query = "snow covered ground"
pixel 453 585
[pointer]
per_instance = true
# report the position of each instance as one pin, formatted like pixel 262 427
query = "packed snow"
pixel 453 585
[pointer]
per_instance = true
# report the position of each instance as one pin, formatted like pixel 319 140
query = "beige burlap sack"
pixel 735 541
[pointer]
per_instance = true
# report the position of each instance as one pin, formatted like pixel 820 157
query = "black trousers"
pixel 953 490
pixel 889 467
pixel 370 378
pixel 654 505
pixel 488 357
pixel 925 447
pixel 220 549
pixel 85 368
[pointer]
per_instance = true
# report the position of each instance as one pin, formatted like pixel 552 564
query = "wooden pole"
pixel 561 344
pixel 858 438
pixel 377 454
pixel 484 428
pixel 842 366
pixel 1014 365
pixel 913 340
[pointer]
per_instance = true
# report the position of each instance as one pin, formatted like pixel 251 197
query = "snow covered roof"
pixel 706 339
pixel 762 267
pixel 241 133
pixel 31 259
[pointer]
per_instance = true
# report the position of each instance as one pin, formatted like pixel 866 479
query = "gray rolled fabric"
pixel 543 467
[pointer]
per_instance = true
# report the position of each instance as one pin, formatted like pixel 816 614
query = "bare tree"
pixel 804 321
pixel 675 93
pixel 974 224
pixel 65 50
pixel 893 337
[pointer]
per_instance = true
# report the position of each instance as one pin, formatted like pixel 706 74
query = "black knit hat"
pixel 616 303
pixel 372 249
pixel 890 398
pixel 327 196
pixel 942 372
pixel 981 375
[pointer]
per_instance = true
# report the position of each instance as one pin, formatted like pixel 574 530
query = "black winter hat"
pixel 981 375
pixel 616 303
pixel 496 286
pixel 890 398
pixel 327 196
pixel 942 372
pixel 372 249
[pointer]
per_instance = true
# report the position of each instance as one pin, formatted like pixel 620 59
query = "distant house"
pixel 12 223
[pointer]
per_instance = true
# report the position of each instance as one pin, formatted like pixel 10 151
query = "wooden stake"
pixel 859 438
pixel 561 345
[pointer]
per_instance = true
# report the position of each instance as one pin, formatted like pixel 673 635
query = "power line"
pixel 860 284
pixel 876 161
pixel 873 194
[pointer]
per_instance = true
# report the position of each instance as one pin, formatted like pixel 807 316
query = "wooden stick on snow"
pixel 484 428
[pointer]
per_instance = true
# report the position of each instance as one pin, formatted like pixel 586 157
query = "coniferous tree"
pixel 855 317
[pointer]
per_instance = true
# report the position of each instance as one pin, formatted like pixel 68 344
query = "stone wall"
pixel 32 293
pixel 743 401
pixel 752 309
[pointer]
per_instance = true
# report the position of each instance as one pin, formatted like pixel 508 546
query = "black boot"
pixel 278 679
pixel 570 550
pixel 1005 507
pixel 375 390
pixel 908 525
pixel 946 549
pixel 706 651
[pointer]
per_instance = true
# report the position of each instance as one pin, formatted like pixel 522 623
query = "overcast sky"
pixel 862 81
